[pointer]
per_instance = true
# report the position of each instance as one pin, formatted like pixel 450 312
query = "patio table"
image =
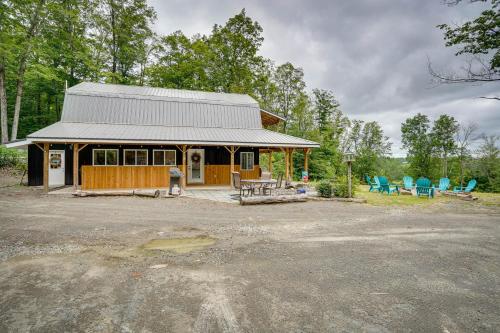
pixel 259 182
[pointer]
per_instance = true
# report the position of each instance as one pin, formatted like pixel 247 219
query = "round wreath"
pixel 195 157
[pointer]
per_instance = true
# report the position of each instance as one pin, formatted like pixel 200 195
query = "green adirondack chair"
pixel 444 184
pixel 385 186
pixel 424 187
pixel 470 186
pixel 377 186
pixel 408 183
pixel 373 185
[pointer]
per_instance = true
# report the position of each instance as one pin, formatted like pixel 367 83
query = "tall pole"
pixel 349 178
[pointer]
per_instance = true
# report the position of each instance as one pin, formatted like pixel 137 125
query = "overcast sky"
pixel 371 53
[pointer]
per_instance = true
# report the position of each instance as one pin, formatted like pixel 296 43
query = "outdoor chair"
pixel 385 186
pixel 470 186
pixel 239 186
pixel 408 183
pixel 376 186
pixel 373 185
pixel 444 184
pixel 424 187
pixel 274 187
pixel 266 175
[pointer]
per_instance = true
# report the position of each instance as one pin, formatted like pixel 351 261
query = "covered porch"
pixel 213 166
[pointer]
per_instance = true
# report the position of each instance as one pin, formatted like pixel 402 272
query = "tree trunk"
pixel 461 172
pixel 22 66
pixel 19 95
pixel 445 166
pixel 4 128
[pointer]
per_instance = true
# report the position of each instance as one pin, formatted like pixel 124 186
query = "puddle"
pixel 180 245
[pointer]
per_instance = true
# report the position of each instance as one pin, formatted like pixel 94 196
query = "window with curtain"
pixel 105 156
pixel 164 157
pixel 135 157
pixel 246 161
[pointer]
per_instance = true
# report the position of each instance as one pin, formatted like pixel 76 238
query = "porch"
pixel 94 166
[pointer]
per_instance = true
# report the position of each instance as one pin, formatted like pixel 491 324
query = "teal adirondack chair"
pixel 408 183
pixel 470 186
pixel 444 184
pixel 424 187
pixel 385 186
pixel 377 186
pixel 373 185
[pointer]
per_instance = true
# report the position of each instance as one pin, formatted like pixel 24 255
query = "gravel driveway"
pixel 104 265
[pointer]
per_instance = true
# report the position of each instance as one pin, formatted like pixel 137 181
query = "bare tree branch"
pixel 485 97
pixel 474 71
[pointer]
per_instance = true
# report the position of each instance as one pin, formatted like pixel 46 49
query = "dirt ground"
pixel 185 265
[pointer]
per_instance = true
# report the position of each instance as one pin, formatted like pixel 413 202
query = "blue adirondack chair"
pixel 444 184
pixel 377 186
pixel 408 183
pixel 373 185
pixel 470 186
pixel 385 186
pixel 424 187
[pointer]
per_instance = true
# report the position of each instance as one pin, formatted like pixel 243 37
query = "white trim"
pixel 165 150
pixel 106 157
pixel 19 144
pixel 253 159
pixel 172 143
pixel 135 157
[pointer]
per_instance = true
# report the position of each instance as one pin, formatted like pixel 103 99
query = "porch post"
pixel 287 167
pixel 184 168
pixel 306 160
pixel 46 167
pixel 75 166
pixel 291 163
pixel 270 162
pixel 232 166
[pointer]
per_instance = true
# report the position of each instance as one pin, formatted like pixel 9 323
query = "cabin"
pixel 116 137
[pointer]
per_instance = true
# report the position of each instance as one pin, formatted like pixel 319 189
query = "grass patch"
pixel 379 199
pixel 383 199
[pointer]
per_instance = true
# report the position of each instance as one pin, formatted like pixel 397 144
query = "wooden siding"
pixel 114 177
pixel 221 174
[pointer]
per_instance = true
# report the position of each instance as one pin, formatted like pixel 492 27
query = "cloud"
pixel 372 54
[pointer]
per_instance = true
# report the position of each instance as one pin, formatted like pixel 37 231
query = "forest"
pixel 47 45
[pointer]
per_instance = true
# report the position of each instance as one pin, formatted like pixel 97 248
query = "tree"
pixel 28 16
pixel 489 164
pixel 123 30
pixel 416 139
pixel 479 37
pixel 233 56
pixel 180 63
pixel 325 108
pixel 290 87
pixel 443 139
pixel 369 144
pixel 464 137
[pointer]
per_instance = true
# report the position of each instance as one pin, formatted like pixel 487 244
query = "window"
pixel 135 157
pixel 105 157
pixel 246 160
pixel 164 157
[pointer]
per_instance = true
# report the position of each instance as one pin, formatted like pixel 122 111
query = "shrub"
pixel 12 158
pixel 325 189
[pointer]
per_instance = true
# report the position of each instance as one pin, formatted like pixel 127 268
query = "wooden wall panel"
pixel 220 174
pixel 115 177
pixel 248 174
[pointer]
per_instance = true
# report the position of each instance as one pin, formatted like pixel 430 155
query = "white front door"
pixel 196 166
pixel 56 167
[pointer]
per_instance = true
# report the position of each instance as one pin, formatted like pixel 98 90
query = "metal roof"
pixel 95 112
pixel 117 104
pixel 119 133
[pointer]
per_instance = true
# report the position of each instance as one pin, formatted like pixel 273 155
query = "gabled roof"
pixel 94 112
